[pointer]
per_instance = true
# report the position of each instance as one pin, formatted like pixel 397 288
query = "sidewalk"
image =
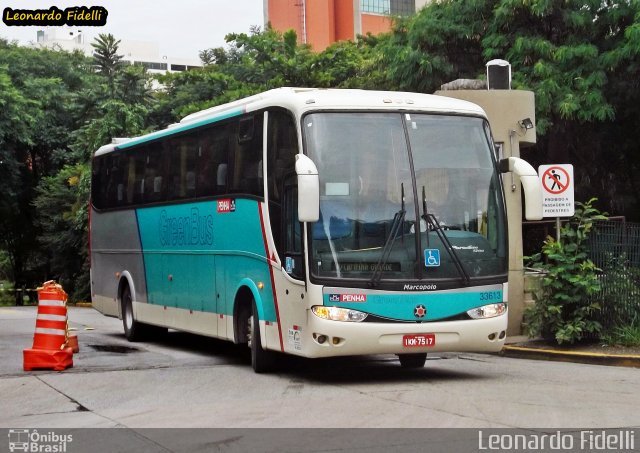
pixel 524 348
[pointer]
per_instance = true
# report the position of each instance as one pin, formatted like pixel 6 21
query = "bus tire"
pixel 262 361
pixel 413 360
pixel 133 330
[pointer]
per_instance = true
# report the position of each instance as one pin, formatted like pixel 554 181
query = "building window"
pixel 388 7
pixel 151 65
pixel 375 6
pixel 403 7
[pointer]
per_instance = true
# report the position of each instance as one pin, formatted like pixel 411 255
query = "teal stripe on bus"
pixel 175 130
pixel 192 253
pixel 401 306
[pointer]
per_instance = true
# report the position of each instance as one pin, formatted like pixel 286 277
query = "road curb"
pixel 594 358
pixel 82 304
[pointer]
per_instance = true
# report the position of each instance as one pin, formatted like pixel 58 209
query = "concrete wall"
pixel 375 24
pixel 285 15
pixel 504 109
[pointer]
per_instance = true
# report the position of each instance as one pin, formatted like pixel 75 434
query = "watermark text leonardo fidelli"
pixel 585 440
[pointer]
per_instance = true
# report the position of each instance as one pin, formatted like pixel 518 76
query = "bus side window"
pixel 247 157
pixel 182 165
pixel 213 155
pixel 116 165
pixel 135 188
pixel 99 181
pixel 153 174
pixel 221 178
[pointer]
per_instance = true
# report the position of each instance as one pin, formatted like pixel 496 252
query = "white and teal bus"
pixel 313 222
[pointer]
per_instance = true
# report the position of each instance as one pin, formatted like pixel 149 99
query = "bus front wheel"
pixel 412 360
pixel 133 330
pixel 262 360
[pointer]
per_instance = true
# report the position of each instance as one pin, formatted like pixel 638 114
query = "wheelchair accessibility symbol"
pixel 432 257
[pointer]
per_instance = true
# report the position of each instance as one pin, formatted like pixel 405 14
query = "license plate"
pixel 419 341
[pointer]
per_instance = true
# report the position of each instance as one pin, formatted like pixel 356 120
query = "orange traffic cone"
pixel 72 342
pixel 49 349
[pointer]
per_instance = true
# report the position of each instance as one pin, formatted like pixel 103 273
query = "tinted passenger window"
pixel 221 158
pixel 213 160
pixel 247 157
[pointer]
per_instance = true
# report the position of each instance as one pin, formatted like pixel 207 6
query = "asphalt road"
pixel 192 381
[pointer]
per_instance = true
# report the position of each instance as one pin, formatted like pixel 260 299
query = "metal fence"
pixel 615 248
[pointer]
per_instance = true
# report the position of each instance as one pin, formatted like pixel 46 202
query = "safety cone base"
pixel 50 360
pixel 72 342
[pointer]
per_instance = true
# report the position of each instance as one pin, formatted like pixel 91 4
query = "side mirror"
pixel 530 184
pixel 308 189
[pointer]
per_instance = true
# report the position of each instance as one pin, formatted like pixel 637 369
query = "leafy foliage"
pixel 564 308
pixel 106 60
pixel 620 293
pixel 440 43
pixel 61 203
pixel 625 335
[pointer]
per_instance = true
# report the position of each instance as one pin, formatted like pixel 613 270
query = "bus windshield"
pixel 405 197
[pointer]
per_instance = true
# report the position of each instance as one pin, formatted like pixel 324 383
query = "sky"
pixel 181 28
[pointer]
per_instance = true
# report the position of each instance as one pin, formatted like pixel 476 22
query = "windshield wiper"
pixel 431 220
pixel 398 220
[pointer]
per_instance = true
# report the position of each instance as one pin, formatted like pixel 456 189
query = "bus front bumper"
pixel 327 338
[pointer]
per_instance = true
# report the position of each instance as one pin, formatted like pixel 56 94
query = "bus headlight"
pixel 338 314
pixel 488 311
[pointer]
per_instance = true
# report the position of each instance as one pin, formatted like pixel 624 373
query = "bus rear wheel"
pixel 412 360
pixel 262 361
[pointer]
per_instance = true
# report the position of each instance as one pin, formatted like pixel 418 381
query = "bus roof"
pixel 300 100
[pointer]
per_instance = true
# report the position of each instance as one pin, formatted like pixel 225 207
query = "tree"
pixel 16 135
pixel 106 59
pixel 215 55
pixel 442 42
pixel 269 59
pixel 61 203
pixel 349 64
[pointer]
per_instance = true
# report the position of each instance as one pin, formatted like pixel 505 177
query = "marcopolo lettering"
pixel 194 229
pixel 429 287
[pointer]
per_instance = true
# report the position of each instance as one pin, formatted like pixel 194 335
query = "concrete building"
pixel 320 23
pixel 141 53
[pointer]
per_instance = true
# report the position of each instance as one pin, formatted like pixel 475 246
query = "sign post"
pixel 557 192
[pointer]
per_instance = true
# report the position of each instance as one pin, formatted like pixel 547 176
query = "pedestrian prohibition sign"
pixel 557 190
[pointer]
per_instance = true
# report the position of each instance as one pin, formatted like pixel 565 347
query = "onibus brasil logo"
pixel 32 441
